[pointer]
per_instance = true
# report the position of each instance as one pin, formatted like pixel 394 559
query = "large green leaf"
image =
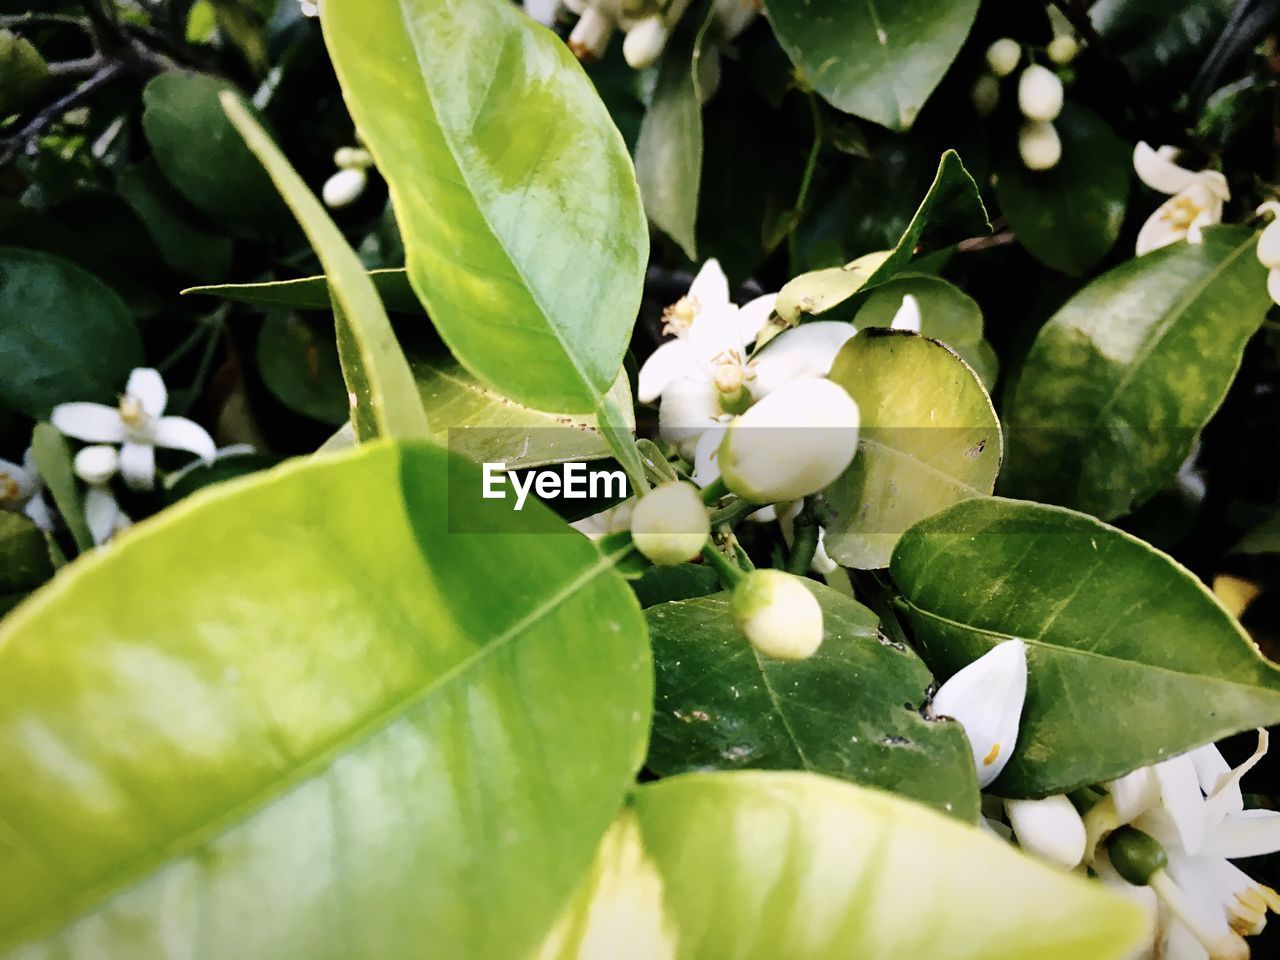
pixel 185 244
pixel 64 334
pixel 1121 380
pixel 1119 638
pixel 852 710
pixel 202 156
pixel 1162 42
pixel 952 209
pixel 878 59
pixel 522 221
pixel 928 438
pixel 758 866
pixel 24 558
pixel 312 293
pixel 300 366
pixel 1069 217
pixel 297 716
pixel 384 400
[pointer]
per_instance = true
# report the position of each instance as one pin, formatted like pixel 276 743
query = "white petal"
pixel 344 187
pixel 908 315
pixel 179 433
pixel 1049 828
pixel 97 464
pixel 91 422
pixel 987 697
pixel 754 315
pixel 1211 768
pixel 1205 218
pixel 100 513
pixel 672 360
pixel 147 387
pixel 19 476
pixel 1134 794
pixel 706 461
pixel 1251 833
pixel 689 408
pixel 543 11
pixel 644 42
pixel 1181 798
pixel 138 465
pixel 1158 171
pixel 710 287
pixel 1225 796
pixel 1273 284
pixel 804 352
pixel 1269 245
pixel 713 338
pixel 37 512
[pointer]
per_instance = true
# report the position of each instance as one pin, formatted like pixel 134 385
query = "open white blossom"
pixel 1196 200
pixel 138 424
pixel 987 697
pixel 22 490
pixel 96 465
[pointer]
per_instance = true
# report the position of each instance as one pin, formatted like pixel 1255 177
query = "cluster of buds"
pixel 1269 248
pixel 345 186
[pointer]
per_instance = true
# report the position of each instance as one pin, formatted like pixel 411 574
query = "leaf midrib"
pixel 138 871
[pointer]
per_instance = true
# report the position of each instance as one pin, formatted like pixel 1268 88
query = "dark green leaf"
pixel 300 366
pixel 184 244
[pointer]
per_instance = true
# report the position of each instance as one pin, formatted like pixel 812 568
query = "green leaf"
pixel 1161 42
pixel 682 581
pixel 202 156
pixel 852 710
pixel 929 438
pixel 1264 538
pixel 1121 380
pixel 301 368
pixel 64 334
pixel 1069 217
pixel 185 245
pixel 668 152
pixel 878 59
pixel 758 866
pixel 487 427
pixel 53 461
pixel 1104 615
pixel 325 701
pixel 24 559
pixel 951 209
pixel 312 293
pixel 385 400
pixel 523 227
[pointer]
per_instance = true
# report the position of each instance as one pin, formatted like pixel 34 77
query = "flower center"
pixel 730 377
pixel 9 489
pixel 132 413
pixel 1182 212
pixel 679 317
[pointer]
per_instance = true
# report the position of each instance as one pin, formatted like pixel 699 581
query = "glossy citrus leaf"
pixel 523 227
pixel 297 716
pixel 1119 637
pixel 312 293
pixel 852 710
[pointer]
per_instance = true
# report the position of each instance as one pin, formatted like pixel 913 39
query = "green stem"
pixel 715 491
pixel 728 573
pixel 803 548
pixel 731 515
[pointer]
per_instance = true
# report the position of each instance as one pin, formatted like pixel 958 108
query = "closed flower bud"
pixel 1039 145
pixel 1269 242
pixel 97 464
pixel 1049 828
pixel 670 524
pixel 1063 49
pixel 777 614
pixel 794 442
pixel 589 38
pixel 644 43
pixel 348 157
pixel 987 698
pixel 986 95
pixel 1039 93
pixel 1003 56
pixel 344 187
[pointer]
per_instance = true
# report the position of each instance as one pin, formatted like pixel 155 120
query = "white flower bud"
pixel 794 442
pixel 1039 93
pixel 986 95
pixel 1273 284
pixel 1063 49
pixel 644 43
pixel 97 464
pixel 1039 145
pixel 1269 242
pixel 670 524
pixel 777 614
pixel 344 187
pixel 1003 56
pixel 589 38
pixel 987 698
pixel 1050 829
pixel 348 157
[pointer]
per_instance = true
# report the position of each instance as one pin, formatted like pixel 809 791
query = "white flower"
pixel 1269 248
pixel 544 12
pixel 1196 201
pixel 777 614
pixel 792 443
pixel 1040 93
pixel 987 697
pixel 1003 56
pixel 1049 828
pixel 650 23
pixel 1039 145
pixel 1062 49
pixel 96 465
pixel 344 187
pixel 670 524
pixel 1192 804
pixel 908 315
pixel 22 490
pixel 136 423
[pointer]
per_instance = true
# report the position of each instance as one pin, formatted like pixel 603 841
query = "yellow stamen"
pixel 131 411
pixel 680 315
pixel 990 758
pixel 9 489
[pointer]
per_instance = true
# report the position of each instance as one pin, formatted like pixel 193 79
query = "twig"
pixel 978 244
pixel 76 68
pixel 28 135
pixel 43 20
